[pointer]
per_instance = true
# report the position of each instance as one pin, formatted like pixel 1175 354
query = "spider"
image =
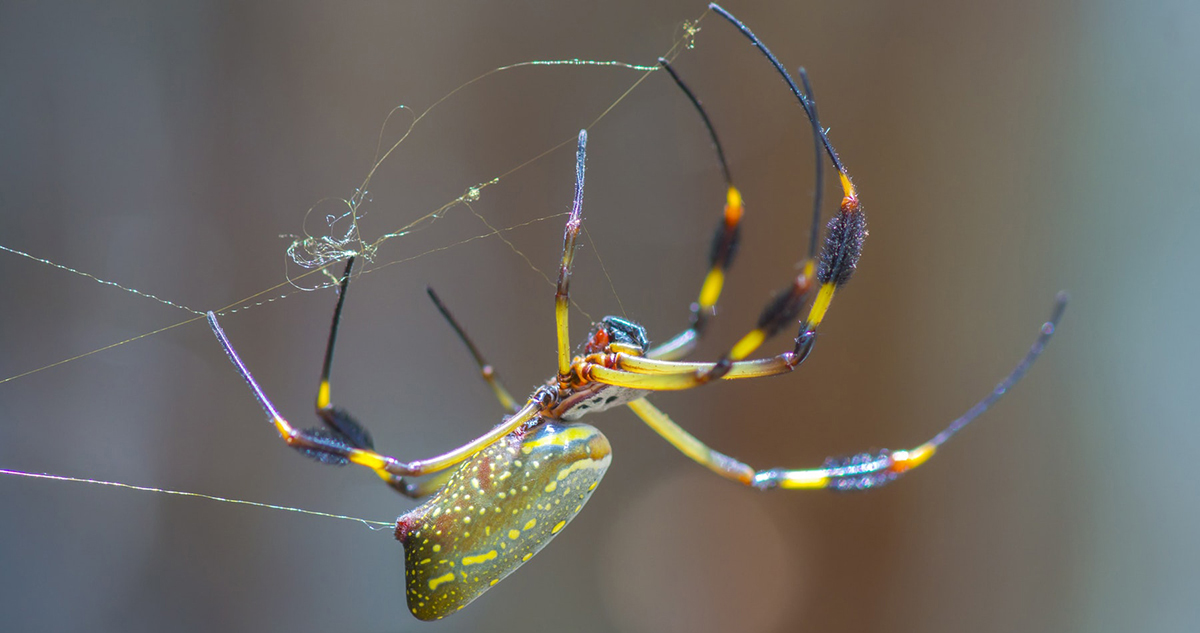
pixel 500 498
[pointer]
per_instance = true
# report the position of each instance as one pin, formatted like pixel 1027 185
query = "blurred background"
pixel 1003 151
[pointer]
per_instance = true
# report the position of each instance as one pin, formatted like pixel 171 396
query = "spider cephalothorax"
pixel 615 333
pixel 576 393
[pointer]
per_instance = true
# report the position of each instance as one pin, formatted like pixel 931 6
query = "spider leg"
pixel 639 372
pixel 570 234
pixel 836 263
pixel 786 304
pixel 839 256
pixel 333 448
pixel 485 369
pixel 857 472
pixel 687 444
pixel 843 244
pixel 339 423
pixel 721 253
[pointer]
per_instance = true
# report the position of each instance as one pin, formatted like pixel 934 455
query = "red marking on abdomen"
pixel 487 468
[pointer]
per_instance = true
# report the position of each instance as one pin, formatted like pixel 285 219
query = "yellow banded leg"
pixel 485 369
pixel 570 234
pixel 384 465
pixel 843 241
pixel 844 238
pixel 687 444
pixel 839 257
pixel 639 372
pixel 787 303
pixel 338 450
pixel 778 313
pixel 722 252
pixel 724 247
pixel 853 473
pixel 339 424
pixel 857 472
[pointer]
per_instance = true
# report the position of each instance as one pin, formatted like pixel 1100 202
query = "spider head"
pixel 614 334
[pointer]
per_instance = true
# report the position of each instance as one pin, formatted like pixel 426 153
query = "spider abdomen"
pixel 498 510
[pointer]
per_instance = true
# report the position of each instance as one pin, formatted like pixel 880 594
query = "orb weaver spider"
pixel 518 485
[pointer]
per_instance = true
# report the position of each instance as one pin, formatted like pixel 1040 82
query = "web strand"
pixel 373 525
pixel 342 247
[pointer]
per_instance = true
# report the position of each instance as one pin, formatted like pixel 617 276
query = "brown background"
pixel 1003 151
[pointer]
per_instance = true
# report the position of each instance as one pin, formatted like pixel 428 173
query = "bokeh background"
pixel 1004 151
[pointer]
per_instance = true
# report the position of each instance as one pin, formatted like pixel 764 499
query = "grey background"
pixel 1004 151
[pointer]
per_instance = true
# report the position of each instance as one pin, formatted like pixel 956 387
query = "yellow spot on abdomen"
pixel 481 558
pixel 526 557
pixel 433 583
pixel 437 548
pixel 514 534
pixel 576 465
pixel 558 526
pixel 551 486
pixel 561 438
pixel 529 524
